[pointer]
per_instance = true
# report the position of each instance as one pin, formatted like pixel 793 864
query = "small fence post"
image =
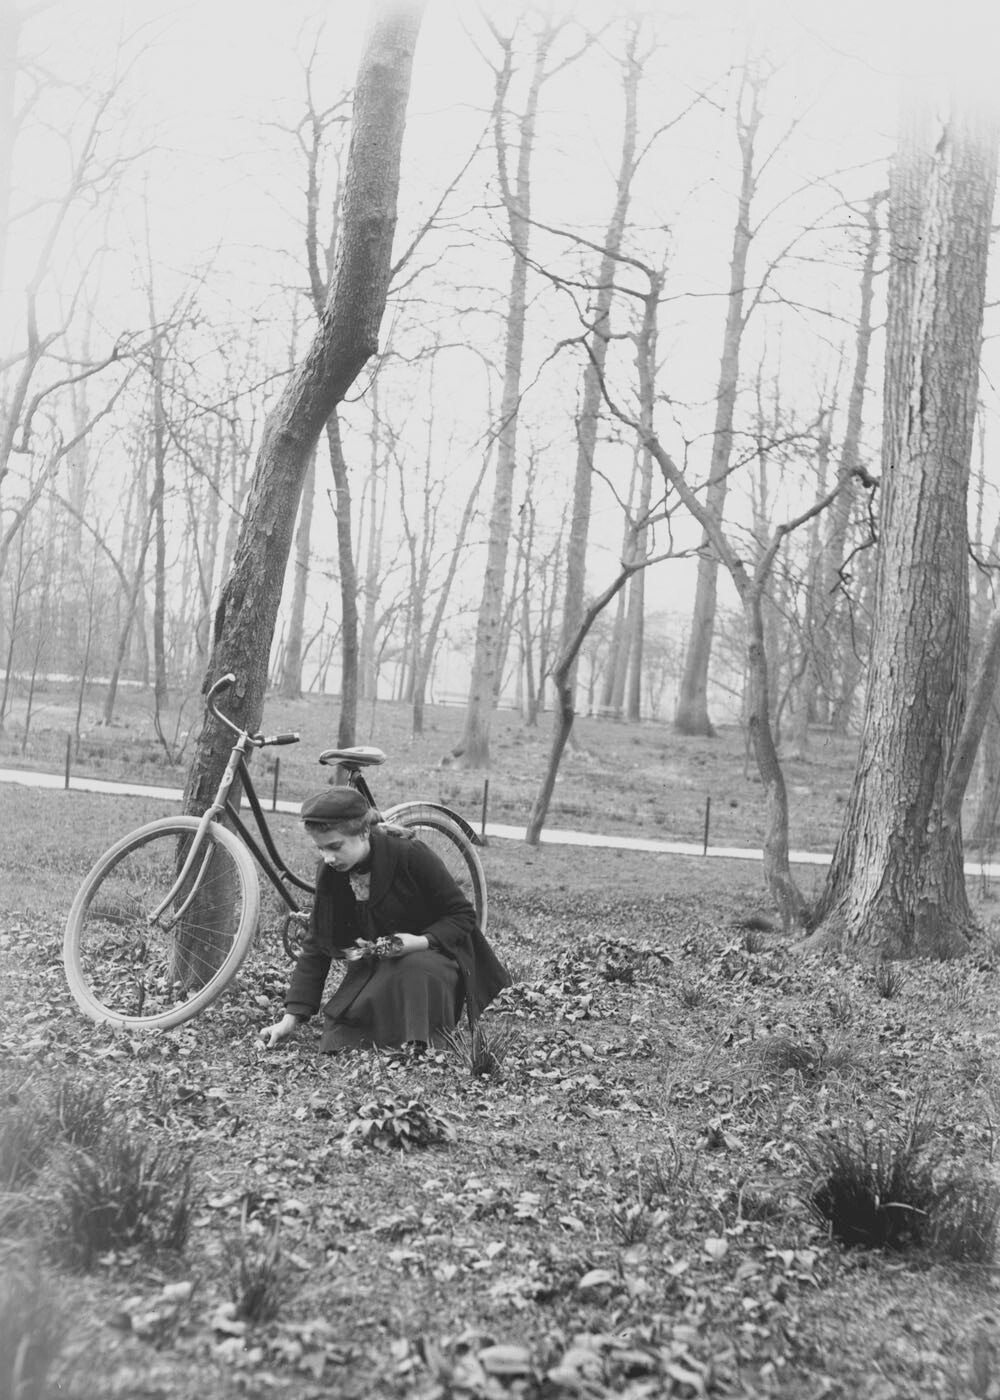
pixel 274 792
pixel 486 799
pixel 708 812
pixel 69 757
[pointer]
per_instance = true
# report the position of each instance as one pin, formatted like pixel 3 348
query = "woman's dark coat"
pixel 411 892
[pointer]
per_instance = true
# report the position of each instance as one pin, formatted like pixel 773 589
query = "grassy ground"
pixel 618 778
pixel 622 1210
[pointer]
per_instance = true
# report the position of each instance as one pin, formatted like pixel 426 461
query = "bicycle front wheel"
pixel 142 949
pixel 451 844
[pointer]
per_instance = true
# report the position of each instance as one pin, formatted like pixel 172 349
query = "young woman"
pixel 377 883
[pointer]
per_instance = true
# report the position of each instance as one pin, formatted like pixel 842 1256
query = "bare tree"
pixel 692 716
pixel 473 749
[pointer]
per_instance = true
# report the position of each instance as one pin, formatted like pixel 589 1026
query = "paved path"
pixel 551 836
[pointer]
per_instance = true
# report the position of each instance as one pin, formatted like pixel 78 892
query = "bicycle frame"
pixel 265 851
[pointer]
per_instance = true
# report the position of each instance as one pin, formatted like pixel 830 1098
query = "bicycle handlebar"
pixel 259 741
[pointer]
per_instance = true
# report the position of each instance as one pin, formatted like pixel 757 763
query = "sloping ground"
pixel 621 1211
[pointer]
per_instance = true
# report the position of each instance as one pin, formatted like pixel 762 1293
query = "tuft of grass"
pixel 810 1059
pixel 484 1050
pixel 840 1007
pixel 875 1191
pixel 80 1112
pixel 632 1222
pixel 888 979
pixel 25 1143
pixel 31 1330
pixel 667 1181
pixel 122 1194
pixel 690 994
pixel 257 1274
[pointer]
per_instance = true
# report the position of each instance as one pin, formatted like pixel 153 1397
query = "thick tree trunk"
pixel 691 716
pixel 896 887
pixel 345 340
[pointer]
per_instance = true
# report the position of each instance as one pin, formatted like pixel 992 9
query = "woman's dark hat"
pixel 333 805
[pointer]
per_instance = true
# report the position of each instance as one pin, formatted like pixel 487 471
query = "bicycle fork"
pixel 209 816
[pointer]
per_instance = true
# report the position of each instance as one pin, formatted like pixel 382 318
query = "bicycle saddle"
pixel 361 756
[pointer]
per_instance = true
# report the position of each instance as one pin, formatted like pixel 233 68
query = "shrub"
pixel 385 1123
pixel 121 1195
pixel 31 1330
pixel 880 1192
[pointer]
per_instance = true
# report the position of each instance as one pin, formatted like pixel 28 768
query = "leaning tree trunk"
pixel 346 338
pixel 896 887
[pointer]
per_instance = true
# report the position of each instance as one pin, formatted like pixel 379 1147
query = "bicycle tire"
pixel 126 972
pixel 448 841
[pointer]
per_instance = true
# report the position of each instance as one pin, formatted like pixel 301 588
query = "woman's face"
pixel 340 850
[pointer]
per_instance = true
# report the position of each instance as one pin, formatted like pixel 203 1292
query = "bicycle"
pixel 167 915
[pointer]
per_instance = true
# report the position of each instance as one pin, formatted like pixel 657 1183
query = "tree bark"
pixel 473 749
pixel 593 373
pixel 346 338
pixel 835 627
pixel 896 887
pixel 691 716
pixel 291 669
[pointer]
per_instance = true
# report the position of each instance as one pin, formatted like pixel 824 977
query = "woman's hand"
pixel 271 1036
pixel 404 943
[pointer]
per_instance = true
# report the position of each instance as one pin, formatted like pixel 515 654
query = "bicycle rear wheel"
pixel 127 968
pixel 451 844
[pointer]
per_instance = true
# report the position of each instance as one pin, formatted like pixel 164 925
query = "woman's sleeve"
pixel 305 988
pixel 453 917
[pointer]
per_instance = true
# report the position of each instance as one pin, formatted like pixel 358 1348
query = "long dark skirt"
pixel 395 1001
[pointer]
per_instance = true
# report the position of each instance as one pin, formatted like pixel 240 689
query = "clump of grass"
pixel 25 1143
pixel 122 1194
pixel 257 1274
pixel 876 1191
pixel 33 1119
pixel 484 1051
pixel 840 1007
pixel 690 994
pixel 888 979
pixel 810 1059
pixel 667 1180
pixel 31 1331
pixel 388 1123
pixel 632 1222
pixel 80 1112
